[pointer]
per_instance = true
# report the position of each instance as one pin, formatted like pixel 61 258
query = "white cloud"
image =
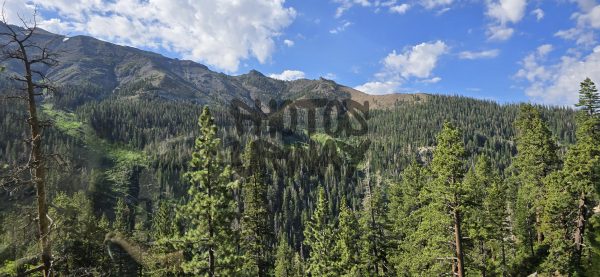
pixel 499 32
pixel 344 5
pixel 432 4
pixel 289 75
pixel 539 14
pixel 486 54
pixel 220 33
pixel 376 5
pixel 330 76
pixel 399 9
pixel 288 43
pixel 504 12
pixel 379 88
pixel 587 21
pixel 418 62
pixel 432 80
pixel 507 10
pixel 341 28
pixel 558 83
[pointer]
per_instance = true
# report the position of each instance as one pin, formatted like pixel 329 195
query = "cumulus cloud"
pixel 220 33
pixel 417 62
pixel 502 13
pixel 289 75
pixel 486 54
pixel 587 22
pixel 558 82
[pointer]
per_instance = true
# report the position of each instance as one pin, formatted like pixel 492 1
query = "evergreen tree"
pixel 448 194
pixel 375 228
pixel 284 259
pixel 257 227
pixel 320 239
pixel 536 158
pixel 162 221
pixel 574 189
pixel 485 219
pixel 348 242
pixel 405 214
pixel 557 223
pixel 589 99
pixel 122 215
pixel 210 240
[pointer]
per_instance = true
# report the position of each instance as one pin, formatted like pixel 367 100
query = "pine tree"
pixel 257 227
pixel 163 223
pixel 572 192
pixel 405 214
pixel 557 223
pixel 210 240
pixel 284 259
pixel 536 158
pixel 589 99
pixel 122 215
pixel 348 242
pixel 448 194
pixel 485 219
pixel 375 229
pixel 320 239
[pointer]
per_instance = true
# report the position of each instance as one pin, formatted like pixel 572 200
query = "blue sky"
pixel 505 50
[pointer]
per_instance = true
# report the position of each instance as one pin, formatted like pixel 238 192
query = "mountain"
pixel 110 67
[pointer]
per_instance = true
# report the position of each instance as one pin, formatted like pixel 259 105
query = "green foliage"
pixel 536 158
pixel 320 239
pixel 348 242
pixel 79 235
pixel 284 259
pixel 209 240
pixel 375 230
pixel 257 233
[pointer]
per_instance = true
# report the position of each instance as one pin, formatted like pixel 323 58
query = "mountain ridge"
pixel 111 67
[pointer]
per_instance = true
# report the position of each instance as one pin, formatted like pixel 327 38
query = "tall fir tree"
pixel 405 214
pixel 122 215
pixel 348 242
pixel 536 158
pixel 589 99
pixel 257 226
pixel 448 194
pixel 320 239
pixel 375 229
pixel 574 190
pixel 284 259
pixel 486 219
pixel 210 240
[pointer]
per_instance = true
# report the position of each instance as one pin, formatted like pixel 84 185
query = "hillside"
pixel 87 61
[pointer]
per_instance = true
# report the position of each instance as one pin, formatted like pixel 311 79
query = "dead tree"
pixel 16 44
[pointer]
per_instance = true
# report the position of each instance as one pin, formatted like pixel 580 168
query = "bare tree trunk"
pixel 38 169
pixel 17 49
pixel 579 231
pixel 460 268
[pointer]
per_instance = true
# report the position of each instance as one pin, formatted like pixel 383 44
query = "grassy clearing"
pixel 64 121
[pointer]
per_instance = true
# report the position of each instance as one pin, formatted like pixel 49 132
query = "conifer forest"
pixel 170 169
